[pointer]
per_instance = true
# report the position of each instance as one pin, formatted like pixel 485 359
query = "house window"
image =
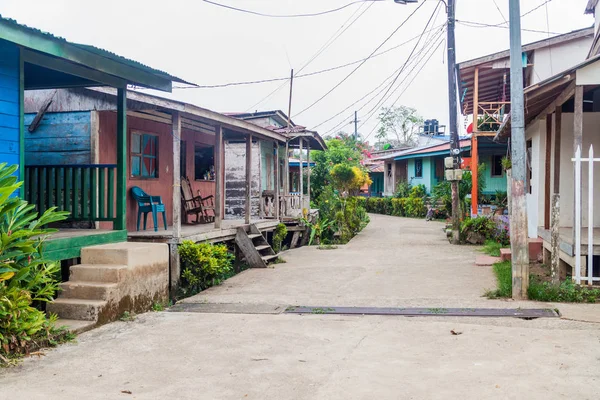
pixel 144 155
pixel 497 166
pixel 204 163
pixel 418 168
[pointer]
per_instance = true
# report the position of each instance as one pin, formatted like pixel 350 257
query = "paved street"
pixel 254 352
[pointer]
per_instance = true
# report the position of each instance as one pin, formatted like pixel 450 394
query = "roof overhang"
pixel 86 62
pixel 543 98
pixel 591 6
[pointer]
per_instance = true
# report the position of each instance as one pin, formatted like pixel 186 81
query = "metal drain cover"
pixel 427 312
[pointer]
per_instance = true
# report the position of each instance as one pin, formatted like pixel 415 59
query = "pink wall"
pixel 163 185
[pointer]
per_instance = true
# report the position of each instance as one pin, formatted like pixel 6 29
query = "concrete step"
pixel 505 254
pixel 536 248
pixel 77 309
pixel 74 326
pixel 269 257
pixel 86 290
pixel 132 254
pixel 485 260
pixel 97 273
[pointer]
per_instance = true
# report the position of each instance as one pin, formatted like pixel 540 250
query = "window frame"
pixel 201 145
pixel 493 162
pixel 419 174
pixel 141 155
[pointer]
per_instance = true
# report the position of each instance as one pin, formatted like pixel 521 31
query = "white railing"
pixel 590 231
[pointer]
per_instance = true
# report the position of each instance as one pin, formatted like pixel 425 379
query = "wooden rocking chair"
pixel 202 207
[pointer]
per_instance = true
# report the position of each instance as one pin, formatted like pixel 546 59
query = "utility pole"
pixel 518 221
pixel 355 125
pixel 452 99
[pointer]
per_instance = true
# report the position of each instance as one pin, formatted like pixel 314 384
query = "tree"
pixel 397 125
pixel 342 149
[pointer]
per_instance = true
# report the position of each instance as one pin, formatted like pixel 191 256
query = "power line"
pixel 383 98
pixel 536 8
pixel 500 12
pixel 305 75
pixel 362 63
pixel 328 43
pixel 409 84
pixel 473 24
pixel 417 59
pixel 287 15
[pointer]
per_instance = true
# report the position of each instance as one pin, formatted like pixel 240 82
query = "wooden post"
pixel 121 218
pixel 218 175
pixel 577 143
pixel 175 269
pixel 248 208
pixel 301 178
pixel 474 147
pixel 547 165
pixel 555 240
pixel 276 176
pixel 286 178
pixel 557 138
pixel 308 172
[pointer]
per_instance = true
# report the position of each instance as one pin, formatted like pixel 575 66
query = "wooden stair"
pixel 254 246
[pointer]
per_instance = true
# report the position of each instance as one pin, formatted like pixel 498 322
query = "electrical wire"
pixel 500 12
pixel 474 24
pixel 407 86
pixel 361 64
pixel 304 75
pixel 328 43
pixel 315 14
pixel 414 60
pixel 383 98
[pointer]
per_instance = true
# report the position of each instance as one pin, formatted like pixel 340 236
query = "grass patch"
pixel 47 338
pixel 566 292
pixel 503 271
pixel 492 248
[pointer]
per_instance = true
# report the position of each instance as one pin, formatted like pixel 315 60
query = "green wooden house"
pixel 30 60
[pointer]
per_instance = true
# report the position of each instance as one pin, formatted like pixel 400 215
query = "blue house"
pixel 30 60
pixel 425 165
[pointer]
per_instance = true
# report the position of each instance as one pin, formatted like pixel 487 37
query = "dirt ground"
pixel 234 343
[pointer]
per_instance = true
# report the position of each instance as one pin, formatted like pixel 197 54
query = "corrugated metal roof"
pixel 96 50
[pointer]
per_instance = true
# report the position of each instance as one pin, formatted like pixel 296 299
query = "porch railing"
pixel 590 160
pixel 86 191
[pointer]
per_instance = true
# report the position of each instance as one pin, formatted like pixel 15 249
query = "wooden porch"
pixel 567 242
pixel 201 232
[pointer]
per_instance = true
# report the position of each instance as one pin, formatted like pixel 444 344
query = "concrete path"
pixel 393 262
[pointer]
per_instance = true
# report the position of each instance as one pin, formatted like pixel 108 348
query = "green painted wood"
pixel 27 184
pixel 68 189
pixel 59 189
pixel 67 248
pixel 110 199
pixel 121 218
pixel 85 194
pixel 76 191
pixel 50 191
pixel 69 53
pixel 102 193
pixel 42 190
pixel 93 194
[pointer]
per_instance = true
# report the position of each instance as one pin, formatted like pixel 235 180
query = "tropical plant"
pixel 27 279
pixel 203 265
pixel 279 236
pixel 319 229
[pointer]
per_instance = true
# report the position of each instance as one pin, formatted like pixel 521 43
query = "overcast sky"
pixel 207 45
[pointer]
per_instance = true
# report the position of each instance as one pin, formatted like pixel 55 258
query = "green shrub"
pixel 27 279
pixel 403 189
pixel 279 236
pixel 203 265
pixel 419 191
pixel 483 226
pixel 566 292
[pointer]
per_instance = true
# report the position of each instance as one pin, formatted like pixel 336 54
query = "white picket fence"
pixel 590 160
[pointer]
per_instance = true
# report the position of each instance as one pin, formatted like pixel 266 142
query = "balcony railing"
pixel 86 191
pixel 490 116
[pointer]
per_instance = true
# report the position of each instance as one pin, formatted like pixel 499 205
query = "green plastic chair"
pixel 148 204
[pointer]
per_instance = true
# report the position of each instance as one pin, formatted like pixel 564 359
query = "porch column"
pixel 555 209
pixel 218 175
pixel 577 203
pixel 301 177
pixel 474 147
pixel 308 171
pixel 276 176
pixel 121 217
pixel 547 161
pixel 286 177
pixel 248 178
pixel 175 270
